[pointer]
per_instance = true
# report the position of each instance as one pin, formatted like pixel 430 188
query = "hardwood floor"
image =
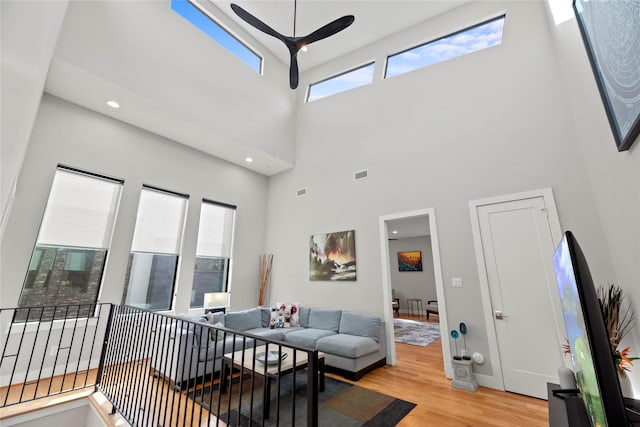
pixel 418 377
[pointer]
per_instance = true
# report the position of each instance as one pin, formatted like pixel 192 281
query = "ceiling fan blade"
pixel 255 22
pixel 293 70
pixel 328 30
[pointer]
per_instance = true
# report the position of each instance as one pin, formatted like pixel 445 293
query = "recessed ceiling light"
pixel 395 231
pixel 303 48
pixel 113 104
pixel 249 160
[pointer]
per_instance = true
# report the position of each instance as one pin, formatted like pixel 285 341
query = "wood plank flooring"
pixel 418 377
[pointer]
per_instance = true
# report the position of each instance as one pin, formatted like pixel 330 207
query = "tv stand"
pixel 566 408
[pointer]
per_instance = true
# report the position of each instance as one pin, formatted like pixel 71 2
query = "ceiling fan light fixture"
pixel 293 43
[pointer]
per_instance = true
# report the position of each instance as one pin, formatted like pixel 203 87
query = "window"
pixel 153 260
pixel 348 80
pixel 213 252
pixel 68 260
pixel 204 21
pixel 469 40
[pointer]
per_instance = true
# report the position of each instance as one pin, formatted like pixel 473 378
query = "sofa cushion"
pixel 215 318
pixel 272 334
pixel 307 337
pixel 216 348
pixel 265 314
pixel 325 319
pixel 360 324
pixel 190 322
pixel 346 345
pixel 304 316
pixel 243 320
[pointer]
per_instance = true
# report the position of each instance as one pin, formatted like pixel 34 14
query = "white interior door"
pixel 517 245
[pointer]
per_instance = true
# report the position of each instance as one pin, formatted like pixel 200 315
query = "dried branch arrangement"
pixel 266 260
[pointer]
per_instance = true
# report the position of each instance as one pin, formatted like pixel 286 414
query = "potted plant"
pixel 618 318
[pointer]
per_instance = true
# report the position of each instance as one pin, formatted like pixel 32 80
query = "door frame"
pixel 437 272
pixel 556 234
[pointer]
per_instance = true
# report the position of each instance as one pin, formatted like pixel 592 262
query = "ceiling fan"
pixel 293 43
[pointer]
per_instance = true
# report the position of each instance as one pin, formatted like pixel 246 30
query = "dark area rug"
pixel 340 405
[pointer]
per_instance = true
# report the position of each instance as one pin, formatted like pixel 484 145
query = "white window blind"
pixel 80 211
pixel 215 233
pixel 159 222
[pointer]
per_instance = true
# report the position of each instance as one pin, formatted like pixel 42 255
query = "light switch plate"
pixel 456 282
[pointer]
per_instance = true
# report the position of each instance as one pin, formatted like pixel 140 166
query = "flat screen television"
pixel 591 354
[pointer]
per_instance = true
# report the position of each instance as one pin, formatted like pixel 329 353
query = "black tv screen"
pixel 591 354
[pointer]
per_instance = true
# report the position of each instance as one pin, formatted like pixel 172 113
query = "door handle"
pixel 499 315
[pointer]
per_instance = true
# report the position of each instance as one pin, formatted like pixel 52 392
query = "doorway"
pixel 515 237
pixel 428 216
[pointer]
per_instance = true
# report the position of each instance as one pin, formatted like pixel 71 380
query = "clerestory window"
pixel 469 40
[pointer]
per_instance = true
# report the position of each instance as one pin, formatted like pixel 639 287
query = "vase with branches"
pixel 266 260
pixel 619 321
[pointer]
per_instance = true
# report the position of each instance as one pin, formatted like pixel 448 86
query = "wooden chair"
pixel 396 306
pixel 432 308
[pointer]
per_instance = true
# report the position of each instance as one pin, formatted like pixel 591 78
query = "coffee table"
pixel 243 359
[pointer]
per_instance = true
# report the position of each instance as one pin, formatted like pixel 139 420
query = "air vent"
pixel 357 176
pixel 301 191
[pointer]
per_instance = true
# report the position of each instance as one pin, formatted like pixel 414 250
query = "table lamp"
pixel 216 301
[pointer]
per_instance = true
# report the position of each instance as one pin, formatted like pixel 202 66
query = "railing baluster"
pixel 135 342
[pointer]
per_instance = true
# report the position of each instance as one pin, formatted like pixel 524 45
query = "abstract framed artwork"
pixel 611 34
pixel 410 261
pixel 332 256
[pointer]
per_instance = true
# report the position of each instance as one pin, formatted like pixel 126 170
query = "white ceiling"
pixel 175 82
pixel 416 226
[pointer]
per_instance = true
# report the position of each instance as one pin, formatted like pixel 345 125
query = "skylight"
pixel 199 17
pixel 342 82
pixel 460 43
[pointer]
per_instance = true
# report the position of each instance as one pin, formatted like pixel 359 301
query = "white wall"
pixel 71 135
pixel 29 32
pixel 614 178
pixel 491 123
pixel 413 284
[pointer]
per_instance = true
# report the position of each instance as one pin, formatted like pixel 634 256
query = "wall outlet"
pixel 456 282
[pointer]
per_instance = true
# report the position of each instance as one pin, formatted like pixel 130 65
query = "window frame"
pixel 498 16
pixel 216 22
pixel 229 260
pixel 371 63
pixel 178 255
pixel 50 266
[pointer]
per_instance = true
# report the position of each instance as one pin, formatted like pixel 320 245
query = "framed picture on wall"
pixel 611 34
pixel 332 256
pixel 410 261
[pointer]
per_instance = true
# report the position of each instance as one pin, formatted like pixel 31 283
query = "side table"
pixel 418 305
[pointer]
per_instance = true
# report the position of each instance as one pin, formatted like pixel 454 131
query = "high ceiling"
pixel 374 20
pixel 176 82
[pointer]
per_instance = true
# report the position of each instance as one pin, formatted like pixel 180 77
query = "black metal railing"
pixel 50 350
pixel 163 371
pixel 155 369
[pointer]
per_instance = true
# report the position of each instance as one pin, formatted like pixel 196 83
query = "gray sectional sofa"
pixel 353 343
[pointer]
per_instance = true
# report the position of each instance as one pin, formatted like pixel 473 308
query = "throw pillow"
pixel 276 318
pixel 291 313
